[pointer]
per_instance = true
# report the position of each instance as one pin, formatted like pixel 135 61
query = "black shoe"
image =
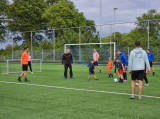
pixel 96 79
pixel 88 80
pixel 19 80
pixel 27 81
pixel 112 75
pixel 100 71
pixel 153 74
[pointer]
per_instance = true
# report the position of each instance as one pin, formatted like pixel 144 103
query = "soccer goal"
pixel 83 53
pixel 14 66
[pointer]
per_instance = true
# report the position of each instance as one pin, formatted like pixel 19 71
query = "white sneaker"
pixel 146 84
pixel 136 84
pixel 32 73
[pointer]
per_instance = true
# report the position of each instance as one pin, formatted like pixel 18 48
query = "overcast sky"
pixel 127 11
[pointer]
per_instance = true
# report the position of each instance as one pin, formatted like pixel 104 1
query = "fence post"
pixel 128 53
pixel 54 45
pixel 42 54
pixel 12 46
pixel 80 43
pixel 31 46
pixel 110 40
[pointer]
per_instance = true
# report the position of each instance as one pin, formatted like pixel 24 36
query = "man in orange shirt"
pixel 24 64
pixel 110 64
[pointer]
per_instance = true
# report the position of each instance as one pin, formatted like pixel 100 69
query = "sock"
pixel 25 78
pixel 119 78
pixel 153 73
pixel 109 75
pixel 125 75
pixel 19 77
pixel 122 80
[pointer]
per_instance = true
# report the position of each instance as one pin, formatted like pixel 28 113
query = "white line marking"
pixel 76 89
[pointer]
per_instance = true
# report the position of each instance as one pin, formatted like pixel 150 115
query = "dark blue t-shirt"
pixel 91 68
pixel 119 64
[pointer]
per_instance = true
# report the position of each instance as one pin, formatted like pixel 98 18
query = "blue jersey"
pixel 91 66
pixel 124 59
pixel 150 57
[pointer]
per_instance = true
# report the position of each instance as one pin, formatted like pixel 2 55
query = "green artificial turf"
pixel 41 102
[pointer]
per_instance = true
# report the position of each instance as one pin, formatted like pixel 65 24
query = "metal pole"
pixel 42 54
pixel 148 34
pixel 12 46
pixel 31 46
pixel 100 20
pixel 114 21
pixel 128 53
pixel 80 43
pixel 110 40
pixel 54 44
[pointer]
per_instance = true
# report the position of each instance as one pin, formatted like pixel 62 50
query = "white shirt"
pixel 29 58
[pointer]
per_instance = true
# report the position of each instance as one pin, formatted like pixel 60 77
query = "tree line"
pixel 22 16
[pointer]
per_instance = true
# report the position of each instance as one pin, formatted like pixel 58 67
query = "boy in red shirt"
pixel 120 70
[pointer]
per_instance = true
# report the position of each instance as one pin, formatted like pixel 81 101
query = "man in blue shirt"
pixel 91 70
pixel 150 59
pixel 124 62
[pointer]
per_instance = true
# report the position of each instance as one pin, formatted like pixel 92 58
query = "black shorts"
pixel 151 64
pixel 25 67
pixel 95 63
pixel 139 75
pixel 91 72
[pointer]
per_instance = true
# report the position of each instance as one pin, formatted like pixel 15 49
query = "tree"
pixel 3 10
pixel 154 25
pixel 26 15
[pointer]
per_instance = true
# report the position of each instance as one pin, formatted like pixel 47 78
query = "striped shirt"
pixel 95 56
pixel 29 58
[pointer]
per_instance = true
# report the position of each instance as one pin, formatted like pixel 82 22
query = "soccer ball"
pixel 115 80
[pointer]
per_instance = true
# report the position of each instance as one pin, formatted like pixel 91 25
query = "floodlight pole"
pixel 148 34
pixel 80 43
pixel 12 46
pixel 114 21
pixel 100 20
pixel 110 40
pixel 31 46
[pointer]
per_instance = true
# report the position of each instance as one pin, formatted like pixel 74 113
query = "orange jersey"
pixel 110 63
pixel 24 58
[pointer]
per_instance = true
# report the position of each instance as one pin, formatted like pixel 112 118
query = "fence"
pixel 86 54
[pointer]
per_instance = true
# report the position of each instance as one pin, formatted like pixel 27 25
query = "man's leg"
pixel 30 66
pixel 98 67
pixel 140 87
pixel 71 73
pixel 65 70
pixel 153 70
pixel 145 78
pixel 133 87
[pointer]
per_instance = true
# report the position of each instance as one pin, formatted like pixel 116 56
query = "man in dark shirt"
pixel 91 70
pixel 67 61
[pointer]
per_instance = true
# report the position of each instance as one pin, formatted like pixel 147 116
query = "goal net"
pixel 83 53
pixel 14 66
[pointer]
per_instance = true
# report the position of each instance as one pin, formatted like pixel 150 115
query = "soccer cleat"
pixel 131 97
pixel 27 81
pixel 139 98
pixel 96 79
pixel 100 71
pixel 71 77
pixel 19 80
pixel 32 73
pixel 137 84
pixel 146 84
pixel 65 78
pixel 88 80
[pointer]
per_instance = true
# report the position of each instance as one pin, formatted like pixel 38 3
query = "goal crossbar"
pixel 113 43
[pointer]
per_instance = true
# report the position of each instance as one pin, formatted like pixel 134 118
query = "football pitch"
pixel 49 96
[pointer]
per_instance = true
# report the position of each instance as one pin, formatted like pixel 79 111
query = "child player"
pixel 120 70
pixel 110 64
pixel 91 70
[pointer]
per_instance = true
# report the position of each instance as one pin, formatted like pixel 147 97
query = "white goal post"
pixel 13 66
pixel 110 43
